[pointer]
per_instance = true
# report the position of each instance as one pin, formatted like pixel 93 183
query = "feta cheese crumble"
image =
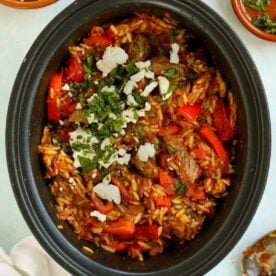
pixel 131 100
pixel 145 152
pixel 78 106
pixel 130 85
pixel 65 87
pixel 129 116
pixel 110 89
pixel 174 58
pixel 123 157
pixel 149 88
pixel 112 57
pixel 138 76
pixel 108 192
pixel 101 217
pixel 91 118
pixel 143 64
pixel 164 85
pixel 147 106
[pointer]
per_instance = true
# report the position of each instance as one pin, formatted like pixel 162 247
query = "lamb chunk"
pixel 160 65
pixel 148 169
pixel 181 161
pixel 139 49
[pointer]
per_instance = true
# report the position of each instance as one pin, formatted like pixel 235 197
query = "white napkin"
pixel 28 258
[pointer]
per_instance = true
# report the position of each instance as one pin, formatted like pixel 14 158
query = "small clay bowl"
pixel 27 4
pixel 245 14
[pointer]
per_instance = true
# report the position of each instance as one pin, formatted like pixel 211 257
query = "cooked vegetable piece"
pixel 190 112
pixel 208 134
pixel 121 227
pixel 55 92
pixel 221 121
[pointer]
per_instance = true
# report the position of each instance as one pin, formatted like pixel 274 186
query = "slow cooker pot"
pixel 27 115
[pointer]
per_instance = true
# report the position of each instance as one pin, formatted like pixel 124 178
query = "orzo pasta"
pixel 139 139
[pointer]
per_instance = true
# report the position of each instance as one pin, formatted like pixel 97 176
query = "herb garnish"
pixel 265 23
pixel 257 5
pixel 182 154
pixel 172 74
pixel 206 106
pixel 171 149
pixel 180 188
pixel 87 164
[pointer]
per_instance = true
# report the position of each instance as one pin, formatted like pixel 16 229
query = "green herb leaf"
pixel 141 131
pixel 172 74
pixel 172 87
pixel 206 106
pixel 152 114
pixel 139 99
pixel 257 5
pixel 86 163
pixel 265 23
pixel 171 149
pixel 182 154
pixel 180 188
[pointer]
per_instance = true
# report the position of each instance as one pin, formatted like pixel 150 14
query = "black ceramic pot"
pixel 27 115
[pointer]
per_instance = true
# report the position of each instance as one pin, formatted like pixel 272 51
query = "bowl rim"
pixel 34 4
pixel 240 12
pixel 21 177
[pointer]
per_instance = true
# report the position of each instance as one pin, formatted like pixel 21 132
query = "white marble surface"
pixel 18 30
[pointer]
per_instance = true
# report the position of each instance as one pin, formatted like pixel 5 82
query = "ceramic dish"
pixel 245 15
pixel 29 4
pixel 27 116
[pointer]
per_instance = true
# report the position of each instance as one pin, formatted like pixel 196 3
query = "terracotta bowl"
pixel 245 14
pixel 27 4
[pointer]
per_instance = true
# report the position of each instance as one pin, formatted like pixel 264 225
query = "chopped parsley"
pixel 172 87
pixel 152 114
pixel 171 149
pixel 87 164
pixel 257 5
pixel 265 23
pixel 140 131
pixel 182 154
pixel 180 188
pixel 206 106
pixel 88 66
pixel 139 99
pixel 172 74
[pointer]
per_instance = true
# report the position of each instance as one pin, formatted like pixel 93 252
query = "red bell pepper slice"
pixel 190 112
pixel 118 246
pixel 172 129
pixel 123 227
pixel 199 153
pixel 54 93
pixel 99 40
pixel 110 33
pixel 146 231
pixel 209 135
pixel 162 201
pixel 221 121
pixel 162 158
pixel 75 70
pixel 135 247
pixel 64 136
pixel 121 187
pixel 165 179
pixel 170 190
pixel 100 206
pixel 68 106
pixel 196 191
